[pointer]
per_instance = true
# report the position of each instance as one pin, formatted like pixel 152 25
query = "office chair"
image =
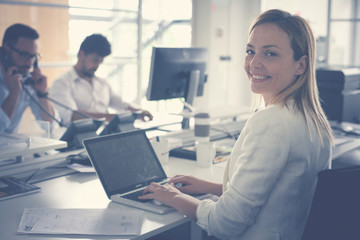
pixel 335 210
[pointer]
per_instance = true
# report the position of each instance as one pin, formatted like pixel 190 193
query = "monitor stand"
pixel 191 94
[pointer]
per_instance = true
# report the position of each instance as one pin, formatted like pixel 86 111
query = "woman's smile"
pixel 259 78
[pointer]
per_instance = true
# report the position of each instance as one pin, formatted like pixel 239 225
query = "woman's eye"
pixel 249 52
pixel 270 54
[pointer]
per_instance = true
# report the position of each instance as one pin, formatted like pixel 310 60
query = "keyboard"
pixel 134 196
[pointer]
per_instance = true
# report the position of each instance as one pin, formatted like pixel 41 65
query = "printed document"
pixel 81 221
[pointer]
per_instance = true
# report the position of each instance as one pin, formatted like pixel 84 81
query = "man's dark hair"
pixel 16 31
pixel 96 43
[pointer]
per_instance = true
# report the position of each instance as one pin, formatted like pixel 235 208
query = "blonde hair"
pixel 304 89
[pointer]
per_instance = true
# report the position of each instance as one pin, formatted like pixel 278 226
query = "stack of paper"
pixel 80 221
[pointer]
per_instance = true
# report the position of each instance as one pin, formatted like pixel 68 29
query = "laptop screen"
pixel 124 161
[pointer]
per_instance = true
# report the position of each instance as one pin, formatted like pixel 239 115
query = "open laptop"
pixel 125 164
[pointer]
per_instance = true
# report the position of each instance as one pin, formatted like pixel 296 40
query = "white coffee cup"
pixel 202 127
pixel 205 153
pixel 161 149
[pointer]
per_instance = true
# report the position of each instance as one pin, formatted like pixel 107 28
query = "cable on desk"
pixel 39 169
pixel 31 175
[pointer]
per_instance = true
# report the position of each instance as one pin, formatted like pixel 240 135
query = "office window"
pixel 50 21
pixel 316 15
pixel 341 9
pixel 164 23
pixel 343 45
pixel 340 38
pixel 335 24
pixel 117 20
pixel 63 24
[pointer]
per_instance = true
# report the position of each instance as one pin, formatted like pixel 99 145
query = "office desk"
pixel 342 149
pixel 84 190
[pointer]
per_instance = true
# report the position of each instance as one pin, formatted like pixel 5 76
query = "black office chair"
pixel 335 210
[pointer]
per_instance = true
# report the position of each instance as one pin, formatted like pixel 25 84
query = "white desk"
pixel 36 145
pixel 344 148
pixel 85 191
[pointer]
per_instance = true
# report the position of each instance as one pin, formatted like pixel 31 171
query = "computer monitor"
pixel 177 73
pixel 78 131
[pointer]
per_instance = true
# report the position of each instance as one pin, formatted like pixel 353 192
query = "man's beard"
pixel 23 70
pixel 88 73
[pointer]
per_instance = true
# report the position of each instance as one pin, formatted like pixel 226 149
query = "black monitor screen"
pixel 170 72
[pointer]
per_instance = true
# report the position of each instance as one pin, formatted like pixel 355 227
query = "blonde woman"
pixel 271 174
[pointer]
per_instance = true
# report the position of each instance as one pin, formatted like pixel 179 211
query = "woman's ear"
pixel 301 65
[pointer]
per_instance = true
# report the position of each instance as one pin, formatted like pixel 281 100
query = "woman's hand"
pixel 170 196
pixel 163 193
pixel 193 185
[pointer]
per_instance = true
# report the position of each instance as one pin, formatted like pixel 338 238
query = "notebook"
pixel 125 164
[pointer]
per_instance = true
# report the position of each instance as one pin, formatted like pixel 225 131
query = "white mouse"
pixel 156 202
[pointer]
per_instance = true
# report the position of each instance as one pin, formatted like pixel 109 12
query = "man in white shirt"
pixel 81 90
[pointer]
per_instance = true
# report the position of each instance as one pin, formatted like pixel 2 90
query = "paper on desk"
pixel 81 168
pixel 80 221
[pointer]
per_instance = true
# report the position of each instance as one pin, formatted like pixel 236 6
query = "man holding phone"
pixel 22 84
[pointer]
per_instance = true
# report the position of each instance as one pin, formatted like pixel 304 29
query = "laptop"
pixel 126 164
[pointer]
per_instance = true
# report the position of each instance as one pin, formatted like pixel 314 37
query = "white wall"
pixel 222 27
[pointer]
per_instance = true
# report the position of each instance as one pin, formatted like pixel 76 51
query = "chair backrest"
pixel 335 210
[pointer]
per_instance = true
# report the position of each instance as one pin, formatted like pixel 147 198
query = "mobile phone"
pixel 35 65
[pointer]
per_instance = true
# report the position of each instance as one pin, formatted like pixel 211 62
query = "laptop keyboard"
pixel 134 196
